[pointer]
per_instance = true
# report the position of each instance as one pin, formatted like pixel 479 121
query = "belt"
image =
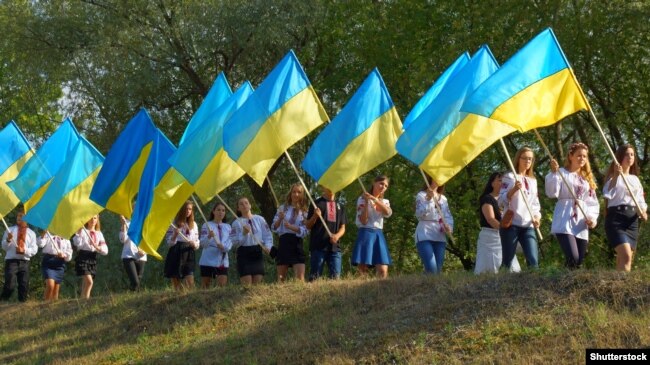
pixel 621 208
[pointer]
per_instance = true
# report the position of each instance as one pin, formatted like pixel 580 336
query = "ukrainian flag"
pixel 218 94
pixel 162 193
pixel 435 89
pixel 33 179
pixel 202 160
pixel 66 206
pixel 15 153
pixel 535 88
pixel 119 179
pixel 282 110
pixel 443 140
pixel 361 137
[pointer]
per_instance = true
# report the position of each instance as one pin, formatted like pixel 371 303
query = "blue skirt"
pixel 53 268
pixel 371 248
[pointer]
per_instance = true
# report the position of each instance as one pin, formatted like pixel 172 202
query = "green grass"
pixel 541 317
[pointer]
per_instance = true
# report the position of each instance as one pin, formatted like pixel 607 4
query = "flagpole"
pixel 512 167
pixel 548 152
pixel 435 203
pixel 609 148
pixel 237 218
pixel 7 228
pixel 322 220
pixel 275 197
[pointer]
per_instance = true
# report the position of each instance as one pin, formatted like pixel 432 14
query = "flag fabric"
pixel 218 94
pixel 202 160
pixel 119 179
pixel 162 193
pixel 443 140
pixel 34 177
pixel 435 89
pixel 535 88
pixel 15 153
pixel 282 110
pixel 361 137
pixel 66 206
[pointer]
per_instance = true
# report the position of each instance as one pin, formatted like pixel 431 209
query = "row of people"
pixel 575 213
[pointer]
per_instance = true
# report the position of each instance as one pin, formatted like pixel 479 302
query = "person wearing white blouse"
pixel 570 225
pixel 252 237
pixel 524 221
pixel 57 251
pixel 19 242
pixel 89 241
pixel 434 223
pixel 371 248
pixel 133 258
pixel 622 218
pixel 183 240
pixel 215 241
pixel 289 225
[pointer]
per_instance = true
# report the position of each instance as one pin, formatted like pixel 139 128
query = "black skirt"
pixel 53 267
pixel 622 225
pixel 86 263
pixel 250 260
pixel 180 261
pixel 290 250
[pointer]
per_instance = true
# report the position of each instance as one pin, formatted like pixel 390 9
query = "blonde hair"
pixel 97 226
pixel 520 152
pixel 302 204
pixel 585 171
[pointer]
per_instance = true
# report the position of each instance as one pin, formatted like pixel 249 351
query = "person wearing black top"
pixel 488 247
pixel 322 247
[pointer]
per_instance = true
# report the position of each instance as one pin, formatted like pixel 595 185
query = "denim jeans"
pixel 526 237
pixel 317 260
pixel 432 255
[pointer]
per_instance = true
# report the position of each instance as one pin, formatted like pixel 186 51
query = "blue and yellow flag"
pixel 202 160
pixel 443 140
pixel 15 153
pixel 119 179
pixel 361 137
pixel 34 177
pixel 282 110
pixel 162 193
pixel 66 206
pixel 535 88
pixel 218 94
pixel 435 89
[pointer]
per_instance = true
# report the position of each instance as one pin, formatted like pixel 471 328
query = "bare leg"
pixel 222 280
pixel 282 272
pixel 299 271
pixel 363 270
pixel 257 279
pixel 188 282
pixel 86 286
pixel 381 271
pixel 246 280
pixel 624 255
pixel 206 282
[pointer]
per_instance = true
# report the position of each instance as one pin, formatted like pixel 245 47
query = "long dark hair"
pixel 440 189
pixel 488 187
pixel 620 155
pixel 211 218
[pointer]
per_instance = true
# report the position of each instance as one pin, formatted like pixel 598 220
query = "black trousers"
pixel 16 269
pixel 134 270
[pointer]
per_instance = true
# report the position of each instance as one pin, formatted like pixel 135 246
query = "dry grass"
pixel 541 317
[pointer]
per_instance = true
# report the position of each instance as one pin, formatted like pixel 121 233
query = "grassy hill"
pixel 541 317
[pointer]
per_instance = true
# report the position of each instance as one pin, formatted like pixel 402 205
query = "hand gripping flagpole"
pixel 307 191
pixel 523 195
pixel 609 148
pixel 437 205
pixel 548 152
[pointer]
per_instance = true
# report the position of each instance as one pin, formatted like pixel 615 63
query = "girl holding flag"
pixel 371 248
pixel 517 224
pixel 575 213
pixel 434 223
pixel 289 224
pixel 622 218
pixel 215 241
pixel 57 252
pixel 251 234
pixel 89 240
pixel 183 240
